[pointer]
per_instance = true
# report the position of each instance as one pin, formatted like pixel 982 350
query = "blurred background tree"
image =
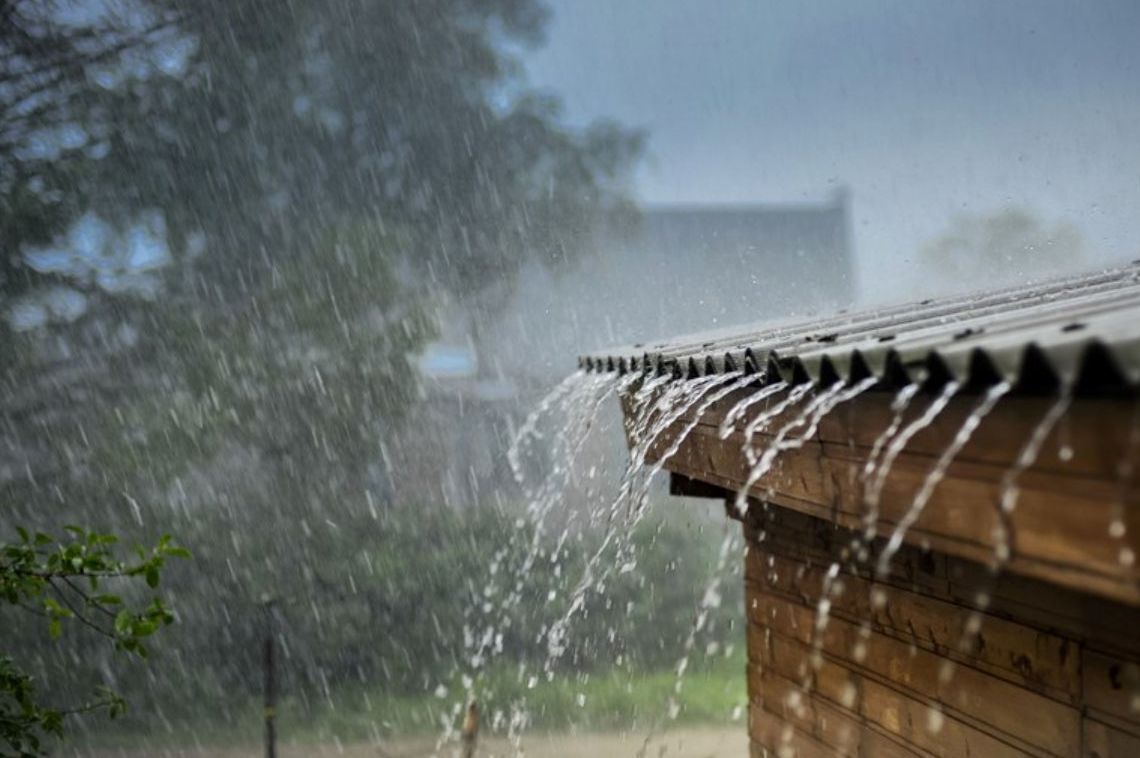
pixel 1010 245
pixel 226 227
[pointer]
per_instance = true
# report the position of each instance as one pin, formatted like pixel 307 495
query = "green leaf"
pixel 152 576
pixel 55 628
pixel 23 533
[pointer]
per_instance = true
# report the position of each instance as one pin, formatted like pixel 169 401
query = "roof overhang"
pixel 1076 342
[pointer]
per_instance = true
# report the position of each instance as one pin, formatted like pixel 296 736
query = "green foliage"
pixel 382 604
pixel 64 582
pixel 372 614
pixel 326 176
pixel 610 699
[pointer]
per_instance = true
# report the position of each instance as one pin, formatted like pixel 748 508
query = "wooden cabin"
pixel 991 631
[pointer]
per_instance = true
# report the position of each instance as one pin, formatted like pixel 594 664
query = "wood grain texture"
pixel 893 677
pixel 1068 503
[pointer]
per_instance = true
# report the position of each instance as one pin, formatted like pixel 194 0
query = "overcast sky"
pixel 922 108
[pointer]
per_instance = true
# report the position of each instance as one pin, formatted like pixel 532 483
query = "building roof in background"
pixel 1081 330
pixel 737 261
pixel 680 269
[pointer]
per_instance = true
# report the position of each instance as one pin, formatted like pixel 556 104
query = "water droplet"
pixel 848 695
pixel 878 599
pixel 934 720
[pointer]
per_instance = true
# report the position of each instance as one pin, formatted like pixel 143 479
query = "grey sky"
pixel 923 108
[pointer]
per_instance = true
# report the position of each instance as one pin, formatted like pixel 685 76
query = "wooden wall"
pixel 1054 668
pixel 1062 525
pixel 1050 672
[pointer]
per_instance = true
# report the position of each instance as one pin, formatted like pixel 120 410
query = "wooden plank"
pixel 779 739
pixel 1061 528
pixel 1018 715
pixel 1112 689
pixel 1096 430
pixel 1025 656
pixel 1104 741
pixel 1057 519
pixel 1067 613
pixel 914 725
pixel 835 726
pixel 839 730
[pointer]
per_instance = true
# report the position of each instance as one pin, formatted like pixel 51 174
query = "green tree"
pixel 65 581
pixel 320 175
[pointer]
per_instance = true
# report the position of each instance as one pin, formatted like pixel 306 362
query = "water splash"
pixel 835 396
pixel 572 407
pixel 1009 491
pixel 627 509
pixel 528 431
pixel 1004 536
pixel 736 413
pixel 938 472
pixel 1125 476
pixel 899 406
pixel 765 417
pixel 710 600
pixel 740 382
pixel 900 441
pixel 809 418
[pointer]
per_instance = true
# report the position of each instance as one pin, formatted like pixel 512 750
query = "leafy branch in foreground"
pixel 64 581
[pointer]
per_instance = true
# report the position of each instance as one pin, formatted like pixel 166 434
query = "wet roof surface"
pixel 1083 331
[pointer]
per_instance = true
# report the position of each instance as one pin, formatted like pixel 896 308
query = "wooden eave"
pixel 1065 508
pixel 1077 338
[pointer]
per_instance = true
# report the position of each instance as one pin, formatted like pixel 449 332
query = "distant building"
pixel 682 269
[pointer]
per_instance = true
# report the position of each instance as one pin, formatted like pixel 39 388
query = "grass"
pixel 713 693
pixel 613 700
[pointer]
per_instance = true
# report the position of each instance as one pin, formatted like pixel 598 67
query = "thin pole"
pixel 269 664
pixel 470 731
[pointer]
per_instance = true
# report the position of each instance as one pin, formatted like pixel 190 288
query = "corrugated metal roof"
pixel 1082 330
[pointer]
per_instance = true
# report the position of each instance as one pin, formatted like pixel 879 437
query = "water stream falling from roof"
pixel 627 509
pixel 1125 478
pixel 575 402
pixel 662 414
pixel 809 418
pixel 938 472
pixel 736 413
pixel 1004 536
pixel 899 442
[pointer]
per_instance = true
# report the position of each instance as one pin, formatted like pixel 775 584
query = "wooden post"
pixel 470 729
pixel 270 682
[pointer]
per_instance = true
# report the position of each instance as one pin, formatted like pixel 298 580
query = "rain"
pixel 568 377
